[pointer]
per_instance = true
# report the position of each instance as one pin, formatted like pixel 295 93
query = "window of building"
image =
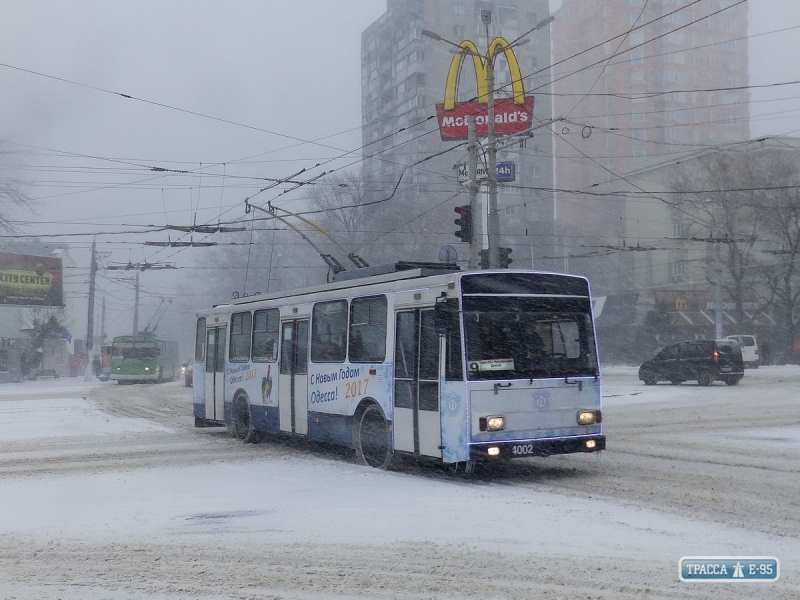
pixel 676 37
pixel 459 8
pixel 675 134
pixel 729 24
pixel 459 32
pixel 638 77
pixel 240 336
pixel 368 330
pixel 637 57
pixel 266 324
pixel 673 76
pixel 677 58
pixel 329 331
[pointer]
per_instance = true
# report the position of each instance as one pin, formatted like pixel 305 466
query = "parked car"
pixel 749 347
pixel 186 369
pixel 703 360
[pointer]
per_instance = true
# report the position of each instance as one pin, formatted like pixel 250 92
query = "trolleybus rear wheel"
pixel 243 421
pixel 372 441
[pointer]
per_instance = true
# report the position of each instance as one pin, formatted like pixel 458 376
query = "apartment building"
pixel 637 81
pixel 403 77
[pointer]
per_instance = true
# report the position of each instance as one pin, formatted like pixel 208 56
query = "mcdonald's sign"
pixel 511 115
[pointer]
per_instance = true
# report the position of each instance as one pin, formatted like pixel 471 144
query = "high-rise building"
pixel 636 82
pixel 403 77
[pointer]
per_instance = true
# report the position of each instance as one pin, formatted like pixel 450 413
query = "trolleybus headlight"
pixel 493 451
pixel 590 444
pixel 494 423
pixel 147 368
pixel 589 417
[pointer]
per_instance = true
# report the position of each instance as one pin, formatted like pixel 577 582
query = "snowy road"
pixel 108 492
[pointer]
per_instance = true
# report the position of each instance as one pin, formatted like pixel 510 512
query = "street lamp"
pixel 493 223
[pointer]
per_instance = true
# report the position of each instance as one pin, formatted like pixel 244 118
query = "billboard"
pixel 27 280
pixel 511 115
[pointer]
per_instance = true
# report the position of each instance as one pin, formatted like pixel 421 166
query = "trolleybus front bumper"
pixel 536 447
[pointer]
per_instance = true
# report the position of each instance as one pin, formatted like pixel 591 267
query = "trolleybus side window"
pixel 240 336
pixel 454 366
pixel 329 331
pixel 266 325
pixel 428 362
pixel 200 340
pixel 368 330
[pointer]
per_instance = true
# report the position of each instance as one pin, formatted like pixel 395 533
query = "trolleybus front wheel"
pixel 372 438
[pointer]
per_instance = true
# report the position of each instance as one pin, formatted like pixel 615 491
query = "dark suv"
pixel 703 360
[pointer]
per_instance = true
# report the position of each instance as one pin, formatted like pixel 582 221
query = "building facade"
pixel 403 77
pixel 712 247
pixel 638 81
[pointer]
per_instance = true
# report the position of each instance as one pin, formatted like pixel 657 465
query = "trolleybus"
pixel 417 361
pixel 143 358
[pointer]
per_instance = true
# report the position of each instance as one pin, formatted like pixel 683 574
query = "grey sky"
pixel 267 75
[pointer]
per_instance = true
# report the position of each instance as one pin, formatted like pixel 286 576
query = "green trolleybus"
pixel 143 358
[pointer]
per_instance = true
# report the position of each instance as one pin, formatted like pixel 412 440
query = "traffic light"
pixel 505 259
pixel 464 222
pixel 484 254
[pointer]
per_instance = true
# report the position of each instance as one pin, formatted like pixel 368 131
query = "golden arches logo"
pixel 511 115
pixel 468 48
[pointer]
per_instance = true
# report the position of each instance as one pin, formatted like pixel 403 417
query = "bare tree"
pixel 12 194
pixel 381 223
pixel 718 206
pixel 779 205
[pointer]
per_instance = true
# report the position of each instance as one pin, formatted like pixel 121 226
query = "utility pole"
pixel 136 307
pixel 493 226
pixel 90 324
pixel 472 185
pixel 139 267
pixel 717 295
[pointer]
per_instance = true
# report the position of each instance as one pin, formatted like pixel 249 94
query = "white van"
pixel 749 349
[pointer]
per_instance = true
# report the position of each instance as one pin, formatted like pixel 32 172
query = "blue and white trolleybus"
pixel 456 366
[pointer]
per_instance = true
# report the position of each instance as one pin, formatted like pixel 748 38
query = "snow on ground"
pixel 301 499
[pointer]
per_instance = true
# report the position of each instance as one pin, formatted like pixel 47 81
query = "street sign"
pixel 506 171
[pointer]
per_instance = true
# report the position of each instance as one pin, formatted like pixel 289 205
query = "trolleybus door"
pixel 293 384
pixel 417 425
pixel 215 373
